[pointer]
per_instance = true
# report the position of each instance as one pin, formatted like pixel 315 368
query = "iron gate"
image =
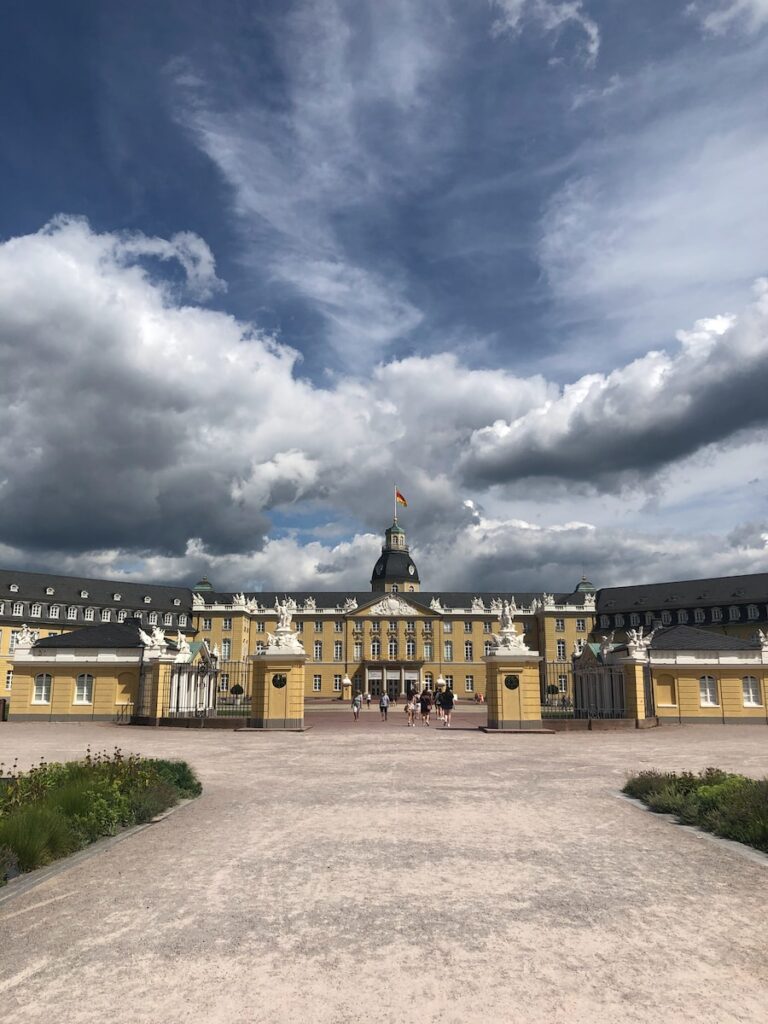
pixel 594 692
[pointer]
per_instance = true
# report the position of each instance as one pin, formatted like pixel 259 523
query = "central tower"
pixel 395 570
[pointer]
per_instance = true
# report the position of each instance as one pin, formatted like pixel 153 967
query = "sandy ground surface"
pixel 381 874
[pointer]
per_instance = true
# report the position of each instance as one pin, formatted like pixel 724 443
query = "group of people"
pixel 417 705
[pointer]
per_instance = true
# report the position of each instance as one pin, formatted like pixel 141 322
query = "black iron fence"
pixel 597 692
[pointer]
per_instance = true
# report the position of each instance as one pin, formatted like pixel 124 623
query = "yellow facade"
pixel 681 695
pixel 109 694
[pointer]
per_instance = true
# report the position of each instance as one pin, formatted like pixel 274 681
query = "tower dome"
pixel 585 587
pixel 395 570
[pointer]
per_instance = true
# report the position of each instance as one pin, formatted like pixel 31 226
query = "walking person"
pixel 368 700
pixel 425 705
pixel 384 705
pixel 448 702
pixel 357 703
pixel 439 703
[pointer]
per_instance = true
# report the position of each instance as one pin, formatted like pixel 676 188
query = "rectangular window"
pixel 649 618
pixel 375 648
pixel 717 614
pixel 488 648
pixel 410 649
pixel 317 683
pixel 487 627
pixel 448 651
pixel 410 626
pixel 299 625
pixel 605 621
pixel 393 625
pixel 338 626
pixel 375 625
pixel 427 651
pixel 468 651
pixel 12 641
pixel 449 682
pixel 18 608
pixel 427 627
pixel 318 650
pixel 581 625
pixel 338 650
pixel 358 651
pixel 619 619
pixel 634 619
pixel 734 613
pixel 71 613
pixel 560 650
pixel 182 619
pixel 467 626
pixel 562 683
pixel 682 616
pixel 226 623
pixel 9 679
pixel 392 649
pixel 88 614
pixel 226 649
pixel 469 684
pixel 167 619
pixel 708 692
pixel 698 615
pixel 207 623
pixel 447 626
pixel 53 611
pixel 318 625
pixel 260 625
pixel 84 689
pixel 666 617
pixel 751 690
pixel 105 615
pixel 337 684
pixel 36 610
pixel 560 625
pixel 224 682
pixel 752 612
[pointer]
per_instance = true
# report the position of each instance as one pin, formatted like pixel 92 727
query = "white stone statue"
pixel 762 636
pixel 637 644
pixel 477 604
pixel 284 613
pixel 505 616
pixel 495 606
pixel 184 651
pixel 589 602
pixel 198 601
pixel 158 636
pixel 216 653
pixel 146 639
pixel 25 637
pixel 349 605
pixel 252 605
pixel 238 601
pixel 548 600
pixel 310 605
pixel 435 604
pixel 391 605
pixel 606 643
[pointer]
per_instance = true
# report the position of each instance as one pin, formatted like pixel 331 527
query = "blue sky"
pixel 504 252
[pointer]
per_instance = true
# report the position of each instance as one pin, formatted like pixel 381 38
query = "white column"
pixel 402 681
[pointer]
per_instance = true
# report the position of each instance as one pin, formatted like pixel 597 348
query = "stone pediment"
pixel 390 605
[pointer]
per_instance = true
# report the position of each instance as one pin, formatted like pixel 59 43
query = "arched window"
pixel 468 651
pixel 53 611
pixel 375 648
pixel 428 679
pixel 152 618
pixel 121 615
pixel 753 612
pixel 88 614
pixel 750 687
pixel 18 608
pixel 42 691
pixel 36 610
pixel 395 588
pixel 84 688
pixel 698 615
pixel 71 613
pixel 106 615
pixel 392 649
pixel 167 619
pixel 708 692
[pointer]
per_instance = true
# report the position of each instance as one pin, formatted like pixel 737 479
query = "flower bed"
pixel 55 809
pixel 731 806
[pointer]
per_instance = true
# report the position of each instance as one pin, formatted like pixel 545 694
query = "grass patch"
pixel 731 806
pixel 54 809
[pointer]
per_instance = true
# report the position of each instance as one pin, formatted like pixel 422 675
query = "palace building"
pixel 91 640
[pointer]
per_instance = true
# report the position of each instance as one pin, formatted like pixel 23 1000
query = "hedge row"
pixel 731 806
pixel 55 809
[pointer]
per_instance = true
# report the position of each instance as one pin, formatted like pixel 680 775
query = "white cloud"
pixel 143 434
pixel 718 16
pixel 550 16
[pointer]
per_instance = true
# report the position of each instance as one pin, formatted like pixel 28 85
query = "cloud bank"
pixel 145 433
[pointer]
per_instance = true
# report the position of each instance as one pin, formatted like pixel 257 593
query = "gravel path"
pixel 390 874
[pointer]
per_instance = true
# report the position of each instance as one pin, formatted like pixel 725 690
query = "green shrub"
pixel 37 835
pixel 179 775
pixel 150 802
pixel 8 863
pixel 731 806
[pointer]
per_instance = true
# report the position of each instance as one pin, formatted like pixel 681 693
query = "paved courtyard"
pixel 385 874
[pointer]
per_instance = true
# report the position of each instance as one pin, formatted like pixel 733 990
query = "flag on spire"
pixel 399 499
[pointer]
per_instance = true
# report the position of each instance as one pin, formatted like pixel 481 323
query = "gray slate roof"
pixel 111 634
pixel 686 638
pixel 719 590
pixel 330 599
pixel 32 587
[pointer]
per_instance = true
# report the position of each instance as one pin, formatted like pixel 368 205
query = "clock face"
pixel 411 570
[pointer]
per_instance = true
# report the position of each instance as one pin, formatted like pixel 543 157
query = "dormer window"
pixel 753 612
pixel 734 613
pixel 105 615
pixel 83 593
pixel 50 591
pixel 176 602
pixel 18 608
pixel 36 610
pixel 117 597
pixel 14 588
pixel 147 600
pixel 53 611
pixel 717 614
pixel 88 614
pixel 121 615
pixel 152 618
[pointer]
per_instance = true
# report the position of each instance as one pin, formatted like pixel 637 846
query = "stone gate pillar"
pixel 278 678
pixel 512 690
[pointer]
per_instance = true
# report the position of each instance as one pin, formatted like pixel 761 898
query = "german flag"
pixel 399 499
